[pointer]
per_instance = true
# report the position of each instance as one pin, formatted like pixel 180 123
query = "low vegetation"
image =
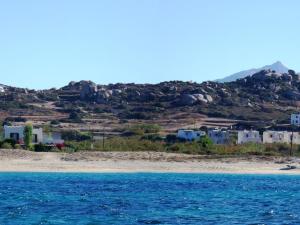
pixel 204 146
pixel 147 137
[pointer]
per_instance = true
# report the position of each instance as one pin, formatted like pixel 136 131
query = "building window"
pixel 14 136
pixel 34 138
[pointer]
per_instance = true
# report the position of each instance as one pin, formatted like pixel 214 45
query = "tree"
pixel 28 136
pixel 205 142
pixel 75 117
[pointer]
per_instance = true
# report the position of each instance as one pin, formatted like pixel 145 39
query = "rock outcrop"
pixel 276 90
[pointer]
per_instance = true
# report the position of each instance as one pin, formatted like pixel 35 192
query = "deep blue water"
pixel 51 198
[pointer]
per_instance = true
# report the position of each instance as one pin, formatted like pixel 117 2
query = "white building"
pixel 190 135
pixel 17 133
pixel 295 119
pixel 219 136
pixel 248 136
pixel 270 137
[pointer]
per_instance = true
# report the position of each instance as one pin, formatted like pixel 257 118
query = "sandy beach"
pixel 26 161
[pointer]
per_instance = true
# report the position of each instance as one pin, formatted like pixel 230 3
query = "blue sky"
pixel 48 43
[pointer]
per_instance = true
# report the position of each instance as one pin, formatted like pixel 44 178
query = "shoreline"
pixel 141 162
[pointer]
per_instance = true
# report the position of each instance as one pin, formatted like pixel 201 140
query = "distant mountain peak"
pixel 278 63
pixel 278 66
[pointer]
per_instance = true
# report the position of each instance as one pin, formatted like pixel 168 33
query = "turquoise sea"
pixel 145 198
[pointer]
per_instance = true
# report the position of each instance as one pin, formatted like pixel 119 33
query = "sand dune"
pixel 26 161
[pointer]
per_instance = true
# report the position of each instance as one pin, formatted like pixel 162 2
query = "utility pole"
pixel 103 139
pixel 92 137
pixel 291 149
pixel 292 139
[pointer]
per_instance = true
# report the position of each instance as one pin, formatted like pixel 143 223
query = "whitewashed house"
pixel 190 135
pixel 270 137
pixel 219 136
pixel 17 133
pixel 295 119
pixel 248 136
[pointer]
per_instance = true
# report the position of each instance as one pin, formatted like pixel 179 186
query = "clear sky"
pixel 47 43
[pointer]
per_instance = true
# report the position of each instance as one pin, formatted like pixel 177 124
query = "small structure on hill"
pixel 295 119
pixel 219 136
pixel 190 135
pixel 248 136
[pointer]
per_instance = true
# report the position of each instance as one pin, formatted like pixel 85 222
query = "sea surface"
pixel 145 198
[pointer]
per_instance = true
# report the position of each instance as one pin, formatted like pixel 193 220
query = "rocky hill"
pixel 264 96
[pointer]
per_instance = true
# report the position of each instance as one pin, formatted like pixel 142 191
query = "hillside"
pixel 265 96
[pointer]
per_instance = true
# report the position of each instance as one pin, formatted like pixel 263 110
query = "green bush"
pixel 6 146
pixel 141 129
pixel 205 142
pixel 75 117
pixel 149 128
pixel 54 122
pixel 186 147
pixel 152 137
pixel 73 135
pixel 11 142
pixel 171 138
pixel 129 144
pixel 17 146
pixel 41 148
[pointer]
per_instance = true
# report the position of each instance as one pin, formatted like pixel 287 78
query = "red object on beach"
pixel 60 146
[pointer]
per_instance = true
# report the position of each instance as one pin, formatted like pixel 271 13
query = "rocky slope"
pixel 266 95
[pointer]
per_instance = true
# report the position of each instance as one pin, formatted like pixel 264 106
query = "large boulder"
pixel 187 99
pixel 88 90
pixel 2 90
pixel 200 97
pixel 209 98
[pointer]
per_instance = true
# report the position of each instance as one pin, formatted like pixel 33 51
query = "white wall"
pixel 190 134
pixel 270 137
pixel 247 136
pixel 39 133
pixel 219 136
pixel 295 119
